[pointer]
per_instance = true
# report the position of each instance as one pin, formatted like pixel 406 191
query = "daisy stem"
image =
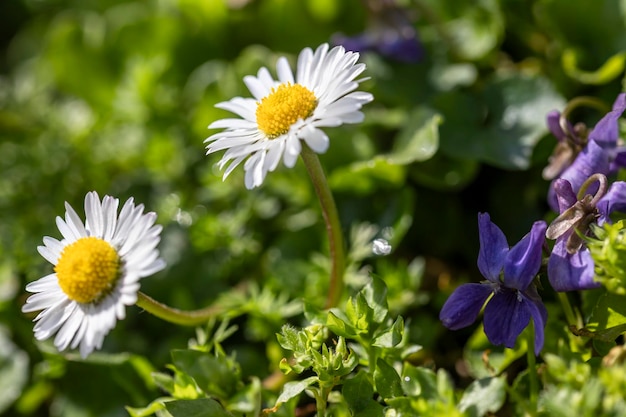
pixel 174 315
pixel 533 382
pixel 333 226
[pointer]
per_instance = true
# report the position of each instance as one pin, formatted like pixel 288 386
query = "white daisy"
pixel 286 111
pixel 97 268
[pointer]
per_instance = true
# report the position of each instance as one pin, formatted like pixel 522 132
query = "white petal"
pixel 66 231
pixel 303 66
pixel 274 154
pixel 54 246
pixel 255 174
pixel 256 87
pixel 284 71
pixel 232 124
pixel 50 320
pixel 292 151
pixel 74 222
pixel 244 107
pixel 316 139
pixel 233 165
pixel 93 213
pixel 265 78
pixel 46 283
pixel 43 300
pixel 49 255
pixel 109 211
pixel 67 332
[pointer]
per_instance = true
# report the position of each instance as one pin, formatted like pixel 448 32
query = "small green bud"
pixel 316 335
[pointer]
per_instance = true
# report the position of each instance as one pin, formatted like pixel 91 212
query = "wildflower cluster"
pixel 581 194
pixel 353 351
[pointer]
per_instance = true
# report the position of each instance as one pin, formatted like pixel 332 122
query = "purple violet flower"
pixel 570 266
pixel 390 34
pixel 509 273
pixel 602 154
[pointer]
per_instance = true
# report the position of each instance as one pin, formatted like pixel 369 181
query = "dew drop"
pixel 381 247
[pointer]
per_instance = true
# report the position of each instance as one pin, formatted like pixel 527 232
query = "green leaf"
pixel 595 28
pixel 202 407
pixel 388 383
pixel 392 336
pixel 358 393
pixel 375 293
pixel 483 396
pixel 418 381
pixel 607 321
pixel 363 177
pixel 148 410
pixel 419 138
pixel 443 172
pixel 502 124
pixel 164 381
pixel 474 28
pixel 359 313
pixel 339 325
pixel 215 376
pixel 609 312
pixel 289 338
pixel 13 371
pixel 294 388
pixel 611 69
pixel 417 141
pixel 247 400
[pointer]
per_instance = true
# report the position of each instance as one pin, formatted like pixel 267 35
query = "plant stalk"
pixel 174 315
pixel 333 226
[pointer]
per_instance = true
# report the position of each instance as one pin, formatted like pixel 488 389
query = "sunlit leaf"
pixel 483 396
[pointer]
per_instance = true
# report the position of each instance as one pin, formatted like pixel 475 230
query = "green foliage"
pixel 608 248
pixel 585 389
pixel 116 95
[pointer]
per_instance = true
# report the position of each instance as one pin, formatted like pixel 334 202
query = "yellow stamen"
pixel 284 106
pixel 88 269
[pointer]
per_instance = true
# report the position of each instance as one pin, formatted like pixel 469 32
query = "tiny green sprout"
pixel 331 364
pixel 608 250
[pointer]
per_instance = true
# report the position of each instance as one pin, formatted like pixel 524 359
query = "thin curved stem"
pixel 333 226
pixel 587 101
pixel 174 315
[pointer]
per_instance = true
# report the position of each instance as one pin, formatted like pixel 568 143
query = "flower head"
pixel 97 268
pixel 509 273
pixel 284 112
pixel 571 266
pixel 597 153
pixel 389 33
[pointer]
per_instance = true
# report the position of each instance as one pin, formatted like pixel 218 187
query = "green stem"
pixel 567 309
pixel 174 315
pixel 321 401
pixel 333 226
pixel 532 368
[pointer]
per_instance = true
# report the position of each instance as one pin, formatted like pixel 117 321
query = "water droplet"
pixel 381 247
pixel 183 218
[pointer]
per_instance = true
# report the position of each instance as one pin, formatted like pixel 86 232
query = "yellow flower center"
pixel 284 106
pixel 88 269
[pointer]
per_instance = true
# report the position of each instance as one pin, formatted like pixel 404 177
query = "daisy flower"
pixel 97 268
pixel 284 112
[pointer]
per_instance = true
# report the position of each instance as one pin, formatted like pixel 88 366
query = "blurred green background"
pixel 115 96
